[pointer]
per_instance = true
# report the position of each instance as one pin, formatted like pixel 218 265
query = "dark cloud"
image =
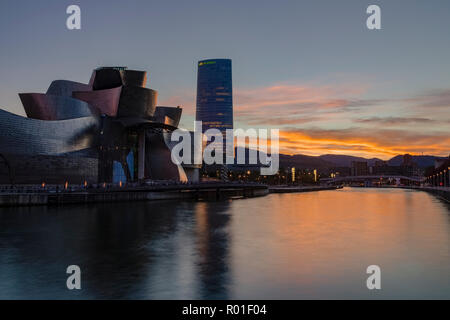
pixel 393 120
pixel 437 98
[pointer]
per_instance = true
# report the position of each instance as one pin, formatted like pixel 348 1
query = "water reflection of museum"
pixel 108 130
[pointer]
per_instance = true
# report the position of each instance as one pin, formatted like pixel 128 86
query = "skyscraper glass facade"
pixel 215 94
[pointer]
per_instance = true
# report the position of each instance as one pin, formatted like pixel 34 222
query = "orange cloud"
pixel 343 121
pixel 383 143
pixel 286 98
pixel 293 99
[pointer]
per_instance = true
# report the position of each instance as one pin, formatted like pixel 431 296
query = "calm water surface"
pixel 283 246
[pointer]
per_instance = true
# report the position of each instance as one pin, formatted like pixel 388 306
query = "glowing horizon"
pixel 325 119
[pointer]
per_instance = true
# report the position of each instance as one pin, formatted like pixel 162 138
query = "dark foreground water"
pixel 283 246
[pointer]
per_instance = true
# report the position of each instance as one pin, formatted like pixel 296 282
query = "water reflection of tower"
pixel 212 243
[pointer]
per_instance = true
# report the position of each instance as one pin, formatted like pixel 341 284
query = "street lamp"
pixel 293 174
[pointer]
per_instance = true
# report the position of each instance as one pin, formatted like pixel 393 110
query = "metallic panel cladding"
pixel 53 107
pixel 158 163
pixel 134 78
pixel 66 87
pixel 103 101
pixel 137 102
pixel 80 145
pixel 106 78
pixel 29 136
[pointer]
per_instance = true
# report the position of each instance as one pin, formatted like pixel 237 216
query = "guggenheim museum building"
pixel 106 131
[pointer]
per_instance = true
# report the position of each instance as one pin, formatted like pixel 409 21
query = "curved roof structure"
pixel 137 102
pixel 134 78
pixel 106 78
pixel 53 107
pixel 66 87
pixel 91 79
pixel 31 136
pixel 103 101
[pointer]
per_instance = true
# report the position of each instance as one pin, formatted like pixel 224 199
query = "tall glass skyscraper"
pixel 215 94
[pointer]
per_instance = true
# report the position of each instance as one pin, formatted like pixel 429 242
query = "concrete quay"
pixel 207 191
pixel 441 192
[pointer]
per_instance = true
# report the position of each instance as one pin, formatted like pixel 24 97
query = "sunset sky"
pixel 310 68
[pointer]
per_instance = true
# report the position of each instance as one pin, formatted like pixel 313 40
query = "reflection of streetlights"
pixel 448 184
pixel 445 178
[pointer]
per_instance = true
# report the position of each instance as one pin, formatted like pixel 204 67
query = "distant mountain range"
pixel 422 161
pixel 338 160
pixel 341 160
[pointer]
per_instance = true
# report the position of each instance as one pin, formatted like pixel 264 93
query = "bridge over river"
pixel 369 179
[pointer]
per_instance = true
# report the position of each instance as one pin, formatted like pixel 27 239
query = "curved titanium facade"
pixel 159 165
pixel 134 78
pixel 137 102
pixel 168 115
pixel 106 78
pixel 30 136
pixel 215 94
pixel 128 142
pixel 53 107
pixel 65 87
pixel 103 101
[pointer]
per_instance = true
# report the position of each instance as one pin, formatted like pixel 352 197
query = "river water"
pixel 282 246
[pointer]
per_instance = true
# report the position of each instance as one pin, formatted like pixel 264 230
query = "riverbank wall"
pixel 146 193
pixel 441 192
